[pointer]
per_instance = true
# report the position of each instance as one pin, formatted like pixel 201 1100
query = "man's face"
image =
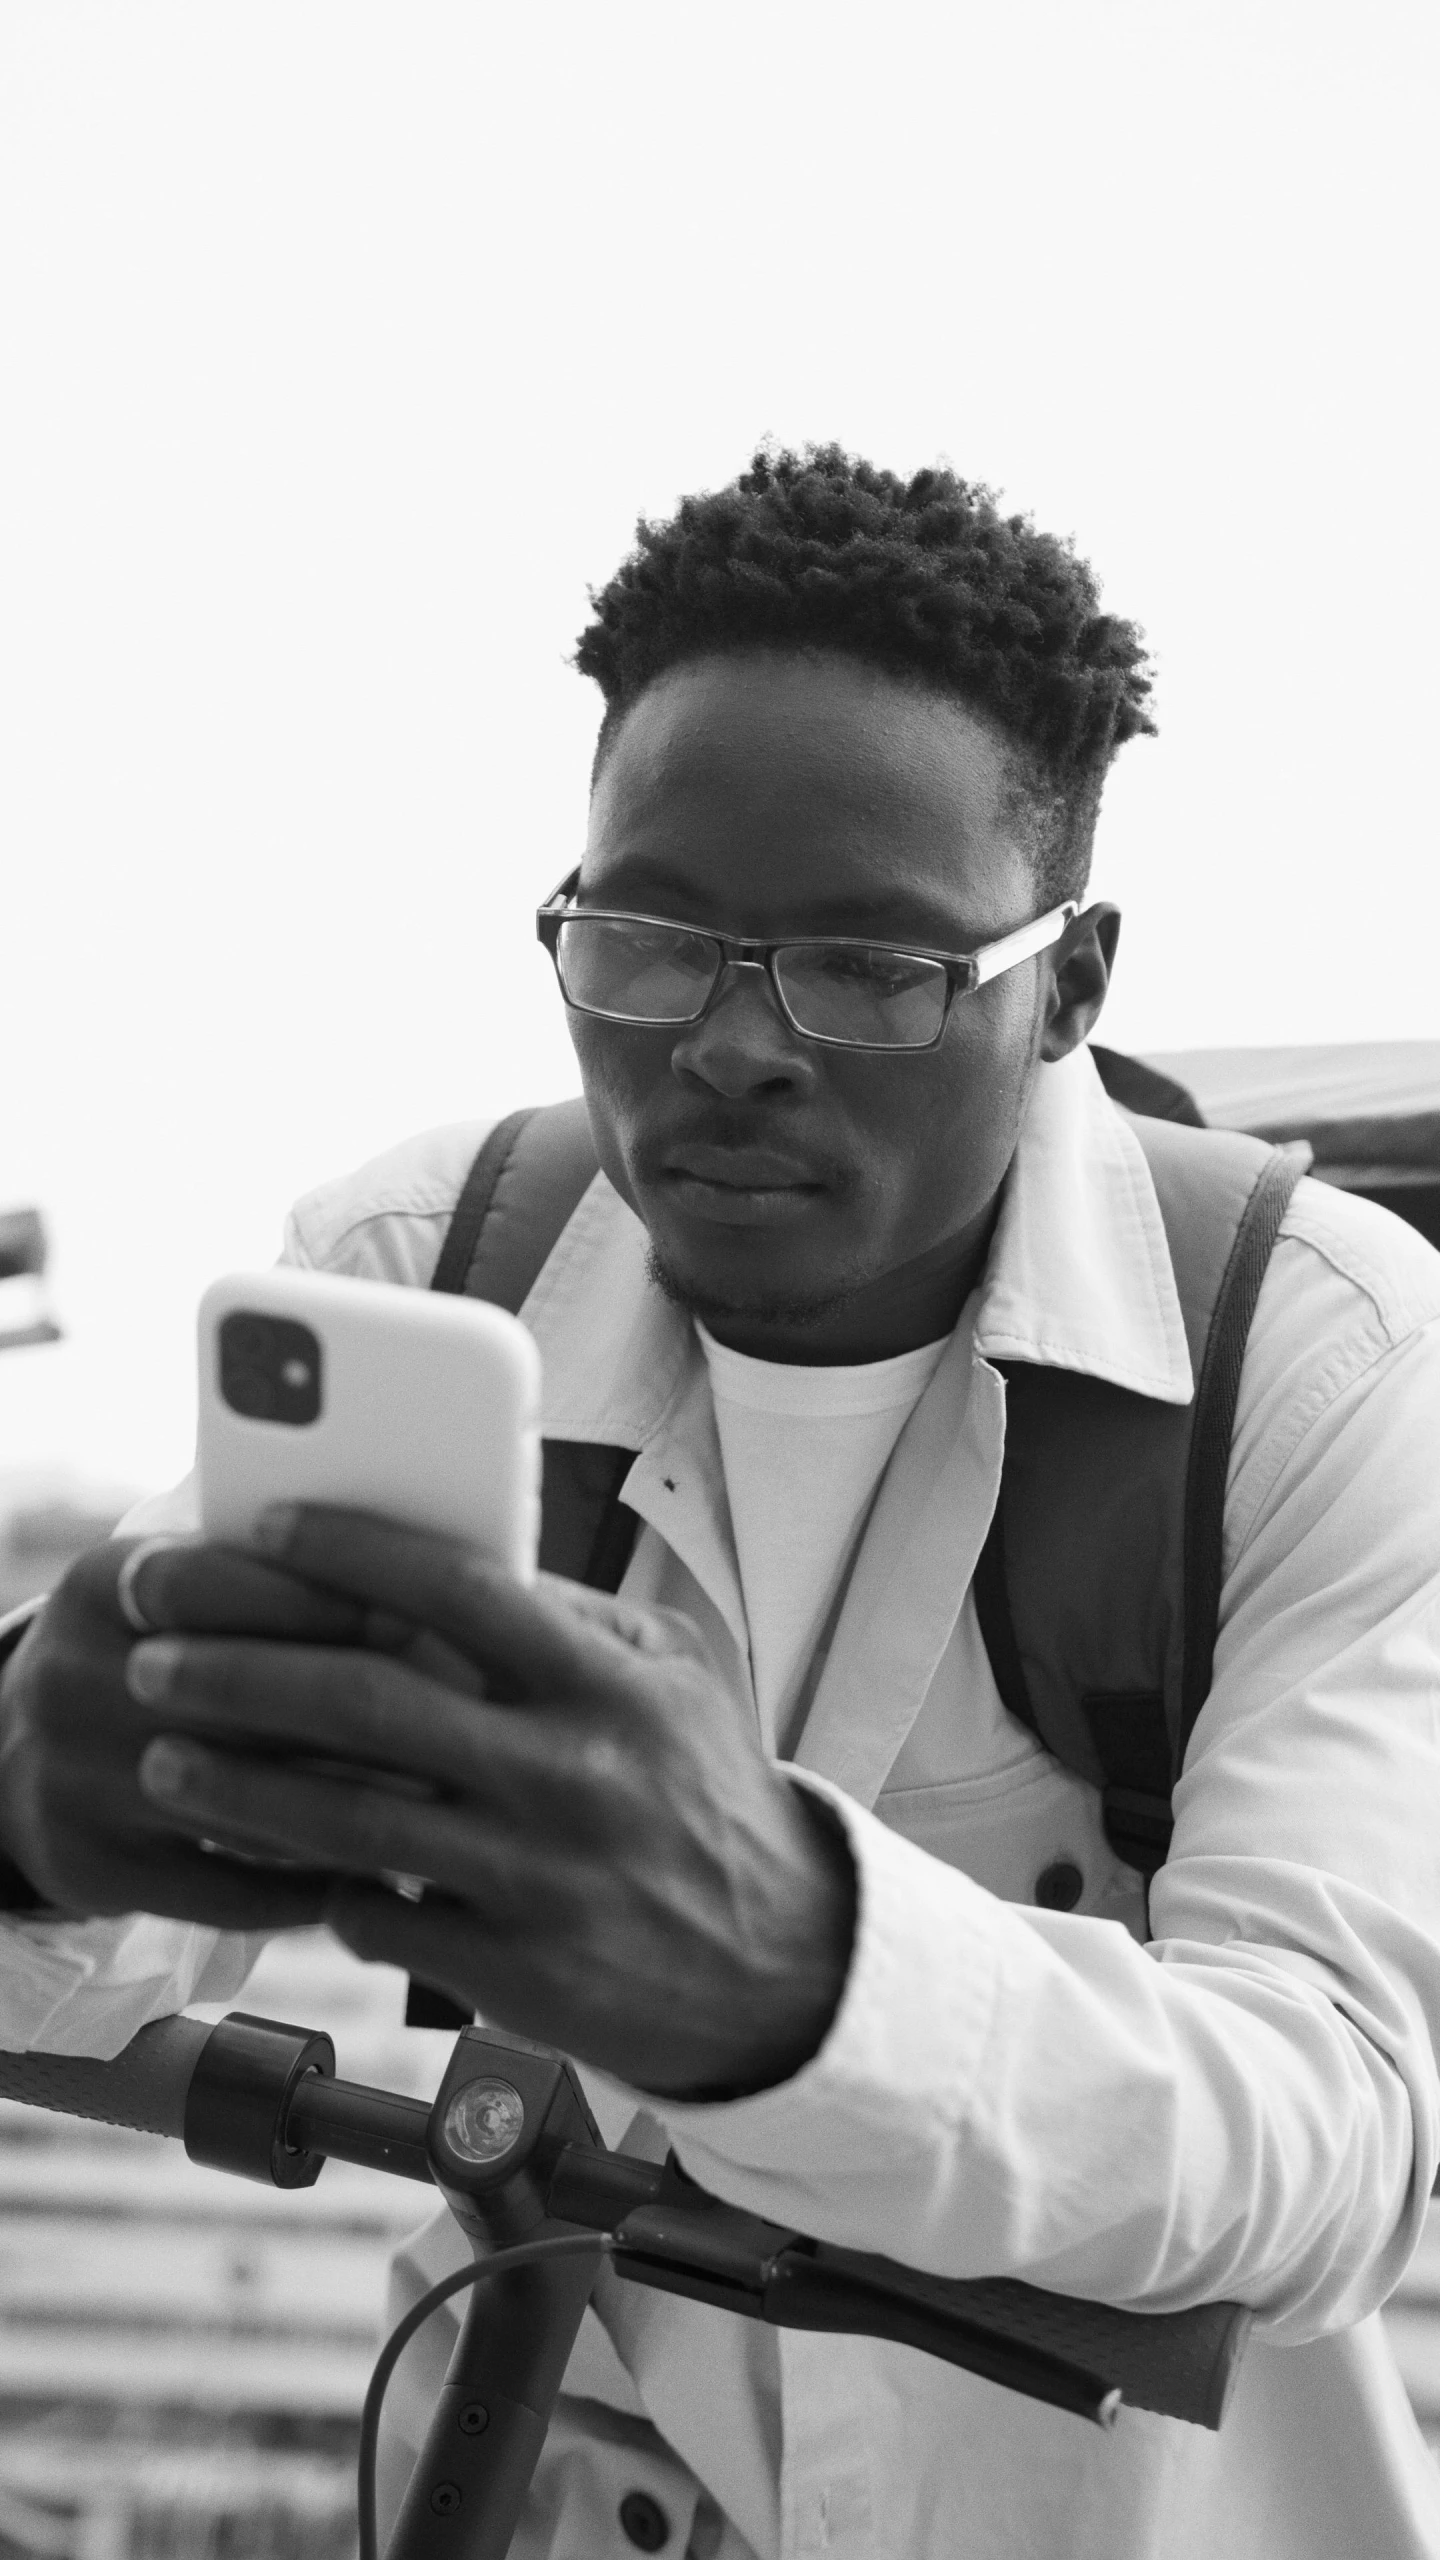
pixel 772 794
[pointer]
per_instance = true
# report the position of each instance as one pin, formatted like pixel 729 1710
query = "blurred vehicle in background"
pixel 1369 1109
pixel 25 1316
pixel 46 1519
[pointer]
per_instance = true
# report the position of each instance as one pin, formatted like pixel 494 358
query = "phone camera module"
pixel 269 1368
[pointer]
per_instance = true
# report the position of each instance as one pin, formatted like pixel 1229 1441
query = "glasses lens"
pixel 640 972
pixel 879 999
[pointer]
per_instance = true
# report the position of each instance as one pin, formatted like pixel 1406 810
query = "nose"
pixel 742 1043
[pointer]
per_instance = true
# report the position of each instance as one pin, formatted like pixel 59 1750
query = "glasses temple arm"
pixel 1008 953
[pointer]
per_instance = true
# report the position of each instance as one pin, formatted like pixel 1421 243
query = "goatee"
pixel 794 1314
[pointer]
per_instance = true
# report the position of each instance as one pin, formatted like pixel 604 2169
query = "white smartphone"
pixel 422 1407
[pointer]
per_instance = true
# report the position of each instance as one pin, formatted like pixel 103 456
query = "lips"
pixel 748 1169
pixel 740 1186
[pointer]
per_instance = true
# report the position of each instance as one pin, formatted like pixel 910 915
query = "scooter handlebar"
pixel 265 2105
pixel 145 2087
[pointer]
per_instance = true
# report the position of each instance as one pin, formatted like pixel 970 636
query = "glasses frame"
pixel 965 971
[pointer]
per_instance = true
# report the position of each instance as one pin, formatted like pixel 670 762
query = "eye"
pixel 879 972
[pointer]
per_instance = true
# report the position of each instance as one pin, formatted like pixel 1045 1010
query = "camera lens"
pixel 270 1367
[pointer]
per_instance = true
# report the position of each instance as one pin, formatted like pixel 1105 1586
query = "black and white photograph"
pixel 719 1281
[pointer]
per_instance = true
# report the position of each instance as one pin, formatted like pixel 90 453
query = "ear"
pixel 1079 980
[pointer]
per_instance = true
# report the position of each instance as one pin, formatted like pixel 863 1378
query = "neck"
pixel 916 1303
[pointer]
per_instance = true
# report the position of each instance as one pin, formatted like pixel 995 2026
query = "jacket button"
pixel 1058 1888
pixel 644 2521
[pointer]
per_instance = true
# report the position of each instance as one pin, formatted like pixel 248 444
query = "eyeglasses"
pixel 846 992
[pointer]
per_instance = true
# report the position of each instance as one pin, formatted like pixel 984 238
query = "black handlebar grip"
pixel 145 2087
pixel 1182 2364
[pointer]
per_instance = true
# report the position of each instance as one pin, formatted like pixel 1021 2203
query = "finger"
pixel 328 1824
pixel 447 1944
pixel 188 1583
pixel 179 1881
pixel 348 1705
pixel 172 1584
pixel 528 1642
pixel 216 1893
pixel 436 1940
pixel 431 1655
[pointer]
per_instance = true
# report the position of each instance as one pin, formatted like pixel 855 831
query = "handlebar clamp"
pixel 238 2104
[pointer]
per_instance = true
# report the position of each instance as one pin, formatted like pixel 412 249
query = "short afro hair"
pixel 924 578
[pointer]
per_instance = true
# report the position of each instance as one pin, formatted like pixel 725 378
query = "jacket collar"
pixel 1079 1277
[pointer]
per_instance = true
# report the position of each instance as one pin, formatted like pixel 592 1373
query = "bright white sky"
pixel 344 343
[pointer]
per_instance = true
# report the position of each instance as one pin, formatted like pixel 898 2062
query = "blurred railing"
pixel 183 2356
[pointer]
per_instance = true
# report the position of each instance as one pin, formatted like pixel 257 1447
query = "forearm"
pixel 1027 2093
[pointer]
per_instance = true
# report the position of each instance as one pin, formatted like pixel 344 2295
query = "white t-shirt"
pixel 803 1450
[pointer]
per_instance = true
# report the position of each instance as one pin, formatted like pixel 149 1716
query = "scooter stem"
pixel 502 2118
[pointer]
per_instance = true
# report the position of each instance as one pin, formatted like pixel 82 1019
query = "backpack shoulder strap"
pixel 1217 1394
pixel 1098 1590
pixel 520 1194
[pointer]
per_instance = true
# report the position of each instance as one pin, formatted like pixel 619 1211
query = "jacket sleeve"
pixel 1246 2109
pixel 88 1986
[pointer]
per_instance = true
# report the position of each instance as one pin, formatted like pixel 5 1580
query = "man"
pixel 757 1842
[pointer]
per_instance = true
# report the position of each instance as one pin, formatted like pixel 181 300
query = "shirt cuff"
pixel 903 2052
pixel 15 1624
pixel 87 1986
pixel 17 1893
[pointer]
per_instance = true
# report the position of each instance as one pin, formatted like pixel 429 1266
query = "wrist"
pixel 789 2004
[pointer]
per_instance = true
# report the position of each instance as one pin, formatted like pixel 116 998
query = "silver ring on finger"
pixel 130 1609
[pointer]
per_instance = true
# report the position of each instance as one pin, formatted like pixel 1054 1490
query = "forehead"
pixel 770 788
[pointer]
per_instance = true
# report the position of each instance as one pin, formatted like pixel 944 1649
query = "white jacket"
pixel 1245 2108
